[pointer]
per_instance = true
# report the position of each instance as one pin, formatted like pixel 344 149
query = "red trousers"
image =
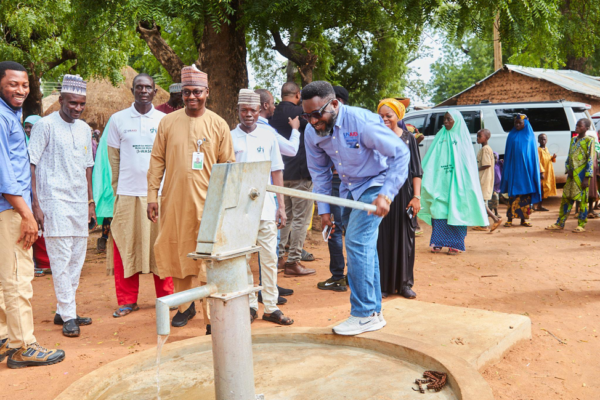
pixel 128 288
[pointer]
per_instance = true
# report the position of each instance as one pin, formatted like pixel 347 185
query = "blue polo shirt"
pixel 15 172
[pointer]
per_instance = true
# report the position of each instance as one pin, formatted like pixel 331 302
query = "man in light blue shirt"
pixel 18 229
pixel 372 164
pixel 267 108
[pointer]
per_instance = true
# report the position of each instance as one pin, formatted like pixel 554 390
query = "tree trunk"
pixel 576 63
pixel 222 55
pixel 291 70
pixel 161 50
pixel 33 103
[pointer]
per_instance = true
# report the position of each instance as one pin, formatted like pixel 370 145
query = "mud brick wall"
pixel 509 87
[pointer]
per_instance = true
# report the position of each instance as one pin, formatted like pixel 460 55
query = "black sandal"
pixel 278 318
pixel 253 315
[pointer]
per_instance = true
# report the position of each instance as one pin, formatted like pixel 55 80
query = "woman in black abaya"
pixel 396 243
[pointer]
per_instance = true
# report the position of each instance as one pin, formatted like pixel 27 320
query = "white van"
pixel 557 119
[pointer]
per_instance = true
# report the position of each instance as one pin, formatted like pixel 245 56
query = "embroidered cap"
pixel 73 84
pixel 175 88
pixel 248 96
pixel 192 76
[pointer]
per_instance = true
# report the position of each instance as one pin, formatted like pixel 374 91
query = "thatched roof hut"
pixel 103 99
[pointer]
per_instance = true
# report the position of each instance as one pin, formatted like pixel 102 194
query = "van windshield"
pixel 541 119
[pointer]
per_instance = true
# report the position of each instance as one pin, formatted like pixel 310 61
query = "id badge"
pixel 197 161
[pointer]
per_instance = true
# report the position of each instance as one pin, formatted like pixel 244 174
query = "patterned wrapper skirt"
pixel 519 207
pixel 444 235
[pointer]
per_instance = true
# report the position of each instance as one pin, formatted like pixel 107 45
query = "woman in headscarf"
pixel 521 172
pixel 396 243
pixel 28 125
pixel 451 192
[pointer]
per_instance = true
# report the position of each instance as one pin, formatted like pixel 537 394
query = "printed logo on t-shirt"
pixel 152 130
pixel 260 149
pixel 142 148
pixel 129 130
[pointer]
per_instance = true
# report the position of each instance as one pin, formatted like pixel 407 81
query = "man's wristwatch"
pixel 417 197
pixel 389 201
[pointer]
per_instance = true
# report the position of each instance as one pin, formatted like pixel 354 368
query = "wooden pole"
pixel 497 44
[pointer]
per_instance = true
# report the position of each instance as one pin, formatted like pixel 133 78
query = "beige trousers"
pixel 267 240
pixel 16 274
pixel 190 282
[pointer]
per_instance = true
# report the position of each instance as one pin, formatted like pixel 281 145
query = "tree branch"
pixel 161 49
pixel 66 55
pixel 285 50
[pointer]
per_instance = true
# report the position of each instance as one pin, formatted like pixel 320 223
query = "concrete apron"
pixel 478 336
pixel 291 363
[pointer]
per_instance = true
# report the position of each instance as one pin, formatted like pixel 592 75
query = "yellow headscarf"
pixel 395 105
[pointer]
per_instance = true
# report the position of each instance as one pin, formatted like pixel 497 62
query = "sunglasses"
pixel 317 114
pixel 195 92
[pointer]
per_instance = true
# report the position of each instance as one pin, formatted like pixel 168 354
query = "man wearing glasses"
pixel 372 165
pixel 188 143
pixel 130 138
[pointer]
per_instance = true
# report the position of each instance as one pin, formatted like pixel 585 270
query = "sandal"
pixel 419 233
pixel 579 229
pixel 495 225
pixel 435 249
pixel 453 252
pixel 508 224
pixel 593 215
pixel 253 315
pixel 39 272
pixel 527 224
pixel 278 318
pixel 480 228
pixel 125 310
pixel 306 256
pixel 554 227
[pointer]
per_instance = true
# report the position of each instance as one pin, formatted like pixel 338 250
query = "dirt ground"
pixel 554 278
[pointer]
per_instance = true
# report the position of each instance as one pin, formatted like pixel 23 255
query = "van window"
pixel 436 121
pixel 473 120
pixel 579 114
pixel 418 122
pixel 541 119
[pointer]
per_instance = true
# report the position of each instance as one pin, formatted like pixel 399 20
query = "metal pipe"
pixel 163 304
pixel 232 349
pixel 322 198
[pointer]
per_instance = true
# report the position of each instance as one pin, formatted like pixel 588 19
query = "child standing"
pixel 486 165
pixel 493 203
pixel 548 181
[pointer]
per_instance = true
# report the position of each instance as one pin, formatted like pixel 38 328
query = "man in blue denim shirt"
pixel 372 165
pixel 18 229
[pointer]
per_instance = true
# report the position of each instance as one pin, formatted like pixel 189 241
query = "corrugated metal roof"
pixel 574 81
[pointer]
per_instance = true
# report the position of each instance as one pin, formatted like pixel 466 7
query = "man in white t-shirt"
pixel 130 138
pixel 253 143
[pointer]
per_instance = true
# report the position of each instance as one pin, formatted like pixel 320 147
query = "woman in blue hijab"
pixel 521 173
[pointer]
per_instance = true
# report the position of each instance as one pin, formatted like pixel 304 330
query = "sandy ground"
pixel 554 278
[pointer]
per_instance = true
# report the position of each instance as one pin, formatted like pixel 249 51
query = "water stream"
pixel 162 339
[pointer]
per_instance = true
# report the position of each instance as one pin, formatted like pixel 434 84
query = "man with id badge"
pixel 372 165
pixel 252 142
pixel 188 143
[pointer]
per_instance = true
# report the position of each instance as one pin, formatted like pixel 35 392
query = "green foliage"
pixel 461 65
pixel 38 33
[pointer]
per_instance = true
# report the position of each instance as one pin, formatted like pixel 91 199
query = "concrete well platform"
pixel 290 363
pixel 478 336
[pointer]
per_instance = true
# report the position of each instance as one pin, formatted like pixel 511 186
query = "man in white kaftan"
pixel 61 158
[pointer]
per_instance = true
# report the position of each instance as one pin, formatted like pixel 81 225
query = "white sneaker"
pixel 357 325
pixel 381 319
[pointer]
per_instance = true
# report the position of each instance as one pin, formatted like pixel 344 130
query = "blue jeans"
pixel 335 244
pixel 363 263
